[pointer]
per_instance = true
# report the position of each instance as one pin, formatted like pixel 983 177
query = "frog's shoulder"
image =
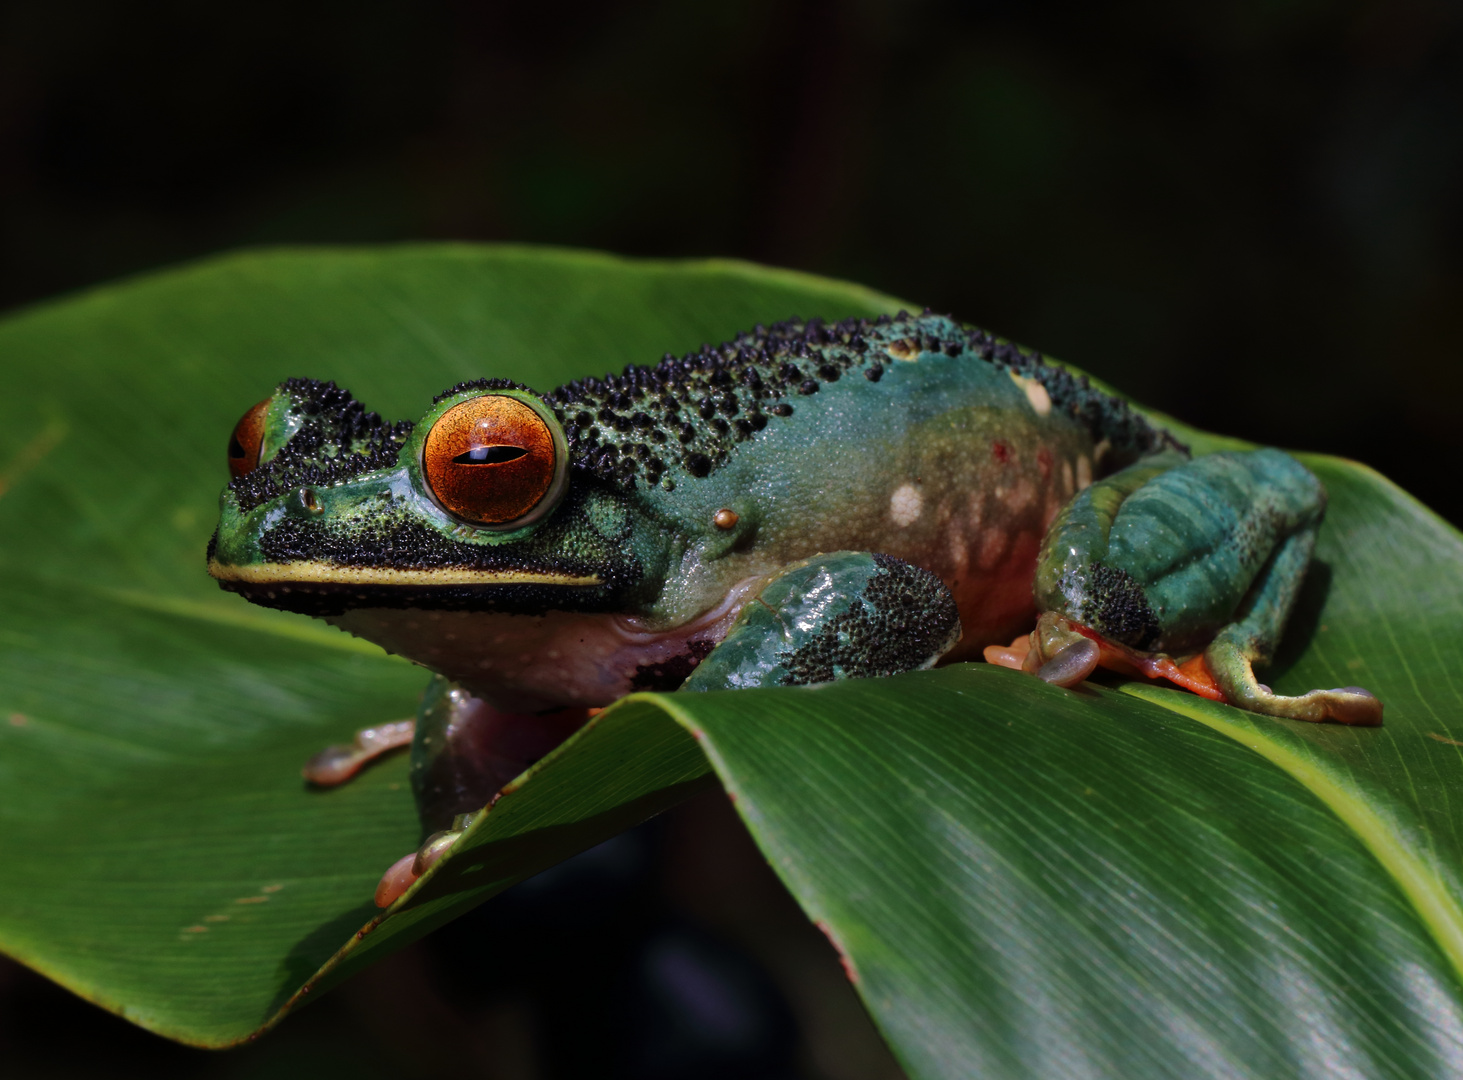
pixel 687 414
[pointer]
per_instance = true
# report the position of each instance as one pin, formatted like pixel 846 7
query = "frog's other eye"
pixel 494 460
pixel 247 440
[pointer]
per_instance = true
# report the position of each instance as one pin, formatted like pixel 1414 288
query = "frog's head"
pixel 475 506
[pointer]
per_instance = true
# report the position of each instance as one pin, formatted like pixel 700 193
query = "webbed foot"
pixel 336 764
pixel 1063 652
pixel 1233 670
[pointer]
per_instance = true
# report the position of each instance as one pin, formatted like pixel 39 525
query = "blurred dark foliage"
pixel 1246 214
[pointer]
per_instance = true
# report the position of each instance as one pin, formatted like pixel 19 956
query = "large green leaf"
pixel 1024 881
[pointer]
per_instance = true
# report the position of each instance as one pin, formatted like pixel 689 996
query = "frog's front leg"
pixel 465 751
pixel 844 615
pixel 336 764
pixel 1202 557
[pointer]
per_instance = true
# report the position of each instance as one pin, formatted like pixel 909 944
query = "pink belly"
pixel 530 663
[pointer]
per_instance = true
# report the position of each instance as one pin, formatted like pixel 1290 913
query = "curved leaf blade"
pixel 1029 882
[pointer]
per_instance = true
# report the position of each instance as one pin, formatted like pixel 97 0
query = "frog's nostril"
pixel 310 502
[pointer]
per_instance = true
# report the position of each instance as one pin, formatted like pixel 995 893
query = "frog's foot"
pixel 1069 661
pixel 1232 666
pixel 1172 555
pixel 1063 652
pixel 403 873
pixel 1011 656
pixel 336 764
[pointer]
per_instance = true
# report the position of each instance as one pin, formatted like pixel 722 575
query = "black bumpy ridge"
pixel 692 410
pixel 695 408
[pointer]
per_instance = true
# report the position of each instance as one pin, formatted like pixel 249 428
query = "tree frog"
pixel 804 503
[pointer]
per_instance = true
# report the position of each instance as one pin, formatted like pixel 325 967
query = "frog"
pixel 806 502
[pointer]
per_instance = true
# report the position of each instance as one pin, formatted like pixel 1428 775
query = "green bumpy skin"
pixel 1160 556
pixel 686 544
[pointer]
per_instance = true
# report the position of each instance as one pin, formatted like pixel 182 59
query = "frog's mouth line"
pixel 319 573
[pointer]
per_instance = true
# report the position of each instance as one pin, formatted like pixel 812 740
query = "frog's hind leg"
pixel 465 752
pixel 1202 559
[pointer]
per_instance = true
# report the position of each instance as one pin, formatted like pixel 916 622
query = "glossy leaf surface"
pixel 1026 881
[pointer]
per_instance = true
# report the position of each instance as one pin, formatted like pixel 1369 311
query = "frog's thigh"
pixel 1171 555
pixel 845 615
pixel 1160 555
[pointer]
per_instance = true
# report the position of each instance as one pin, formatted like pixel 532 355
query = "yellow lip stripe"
pixel 331 574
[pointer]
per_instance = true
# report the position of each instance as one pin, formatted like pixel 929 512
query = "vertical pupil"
pixel 235 449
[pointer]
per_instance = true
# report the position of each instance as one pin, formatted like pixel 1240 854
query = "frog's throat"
pixel 322 573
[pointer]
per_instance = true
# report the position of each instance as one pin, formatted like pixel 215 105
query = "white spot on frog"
pixel 1041 401
pixel 1084 473
pixel 906 505
pixel 905 349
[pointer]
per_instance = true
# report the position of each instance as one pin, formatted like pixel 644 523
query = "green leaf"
pixel 1024 881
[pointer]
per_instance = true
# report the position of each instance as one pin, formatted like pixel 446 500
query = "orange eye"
pixel 246 441
pixel 491 460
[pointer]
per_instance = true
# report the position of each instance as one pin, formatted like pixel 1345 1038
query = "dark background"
pixel 1246 214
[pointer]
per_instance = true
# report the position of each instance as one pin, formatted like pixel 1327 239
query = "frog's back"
pixel 911 435
pixel 687 416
